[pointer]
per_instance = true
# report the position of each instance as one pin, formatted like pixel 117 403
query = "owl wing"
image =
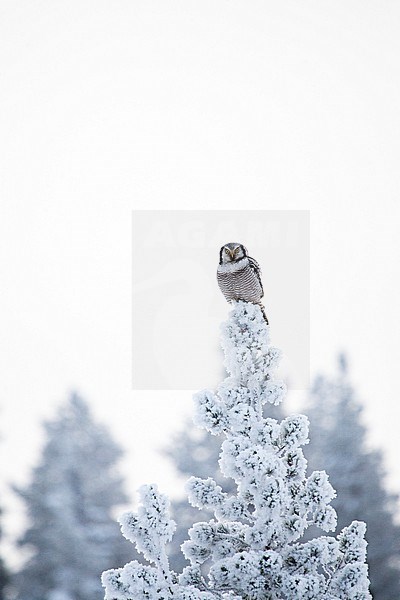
pixel 255 267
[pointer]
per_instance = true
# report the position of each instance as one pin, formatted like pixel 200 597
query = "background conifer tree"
pixel 337 442
pixel 4 574
pixel 72 534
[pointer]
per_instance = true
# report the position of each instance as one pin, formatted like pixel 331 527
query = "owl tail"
pixel 263 312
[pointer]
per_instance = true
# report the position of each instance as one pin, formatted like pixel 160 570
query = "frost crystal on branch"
pixel 252 548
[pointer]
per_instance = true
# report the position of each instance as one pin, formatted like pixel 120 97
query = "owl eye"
pixel 226 251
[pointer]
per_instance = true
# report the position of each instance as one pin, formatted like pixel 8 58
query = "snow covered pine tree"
pixel 252 549
pixel 195 452
pixel 339 443
pixel 72 536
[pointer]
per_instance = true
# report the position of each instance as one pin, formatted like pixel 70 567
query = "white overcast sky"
pixel 107 107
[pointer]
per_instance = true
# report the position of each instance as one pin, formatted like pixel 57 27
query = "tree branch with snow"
pixel 252 548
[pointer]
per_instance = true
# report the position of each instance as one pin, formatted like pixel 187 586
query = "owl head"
pixel 232 252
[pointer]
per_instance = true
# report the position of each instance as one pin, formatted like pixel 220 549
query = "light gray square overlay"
pixel 177 306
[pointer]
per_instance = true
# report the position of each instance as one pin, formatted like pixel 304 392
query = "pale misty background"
pixel 110 107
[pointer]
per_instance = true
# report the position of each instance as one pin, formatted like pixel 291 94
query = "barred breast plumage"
pixel 239 275
pixel 240 282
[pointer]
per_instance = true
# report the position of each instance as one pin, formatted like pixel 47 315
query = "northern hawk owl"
pixel 239 275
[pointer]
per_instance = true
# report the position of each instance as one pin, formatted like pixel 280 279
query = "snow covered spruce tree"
pixel 4 574
pixel 72 535
pixel 252 547
pixel 194 452
pixel 338 441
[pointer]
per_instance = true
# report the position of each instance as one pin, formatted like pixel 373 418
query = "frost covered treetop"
pixel 252 548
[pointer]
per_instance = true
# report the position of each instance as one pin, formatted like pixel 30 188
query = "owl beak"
pixel 231 253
